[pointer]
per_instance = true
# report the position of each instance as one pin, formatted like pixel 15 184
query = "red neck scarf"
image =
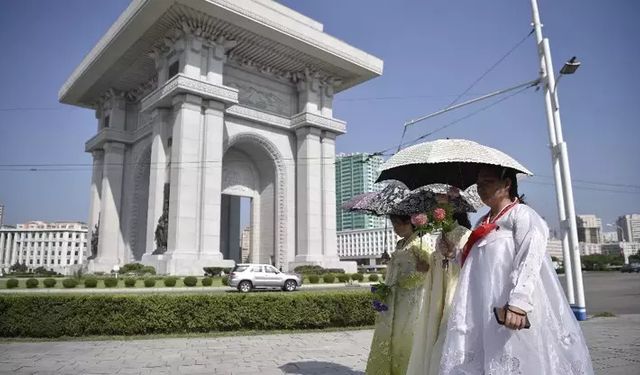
pixel 483 229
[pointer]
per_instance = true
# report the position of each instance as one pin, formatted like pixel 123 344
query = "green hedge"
pixel 374 277
pixel 90 282
pixel 49 283
pixel 69 283
pixel 12 283
pixel 190 281
pixel 85 315
pixel 130 282
pixel 343 278
pixel 329 278
pixel 170 281
pixel 207 281
pixel 110 282
pixel 32 283
pixel 149 282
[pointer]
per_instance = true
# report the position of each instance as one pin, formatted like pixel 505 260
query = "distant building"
pixel 629 228
pixel 626 249
pixel 60 246
pixel 589 228
pixel 356 174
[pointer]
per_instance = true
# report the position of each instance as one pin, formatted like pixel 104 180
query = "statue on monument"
pixel 162 230
pixel 94 241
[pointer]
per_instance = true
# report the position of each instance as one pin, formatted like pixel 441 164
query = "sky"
pixel 432 51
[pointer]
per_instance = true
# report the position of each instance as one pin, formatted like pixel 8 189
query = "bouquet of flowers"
pixel 440 218
pixel 380 292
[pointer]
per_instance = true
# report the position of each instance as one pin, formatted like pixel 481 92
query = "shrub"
pixel 110 314
pixel 129 282
pixel 90 282
pixel 207 281
pixel 32 283
pixel 373 277
pixel 49 283
pixel 12 283
pixel 69 283
pixel 148 270
pixel 170 281
pixel 343 277
pixel 190 281
pixel 309 270
pixel 149 282
pixel 225 280
pixel 314 279
pixel 357 277
pixel 328 278
pixel 334 270
pixel 215 271
pixel 110 282
pixel 131 267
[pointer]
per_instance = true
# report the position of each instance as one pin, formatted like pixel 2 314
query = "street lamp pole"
pixel 562 174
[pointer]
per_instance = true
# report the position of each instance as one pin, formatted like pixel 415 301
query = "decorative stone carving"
pixel 252 96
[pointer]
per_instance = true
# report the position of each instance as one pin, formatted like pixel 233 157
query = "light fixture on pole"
pixel 562 173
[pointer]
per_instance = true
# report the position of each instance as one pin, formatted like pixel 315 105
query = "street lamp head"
pixel 570 66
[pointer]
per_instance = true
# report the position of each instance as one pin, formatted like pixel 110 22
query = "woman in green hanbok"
pixel 417 291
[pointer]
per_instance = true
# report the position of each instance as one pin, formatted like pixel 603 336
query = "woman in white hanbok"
pixel 504 264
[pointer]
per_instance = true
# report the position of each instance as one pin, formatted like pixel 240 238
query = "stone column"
pixel 157 175
pixel 96 189
pixel 111 242
pixel 183 237
pixel 309 196
pixel 330 249
pixel 212 181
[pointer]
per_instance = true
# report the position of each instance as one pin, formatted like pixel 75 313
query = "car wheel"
pixel 290 285
pixel 245 286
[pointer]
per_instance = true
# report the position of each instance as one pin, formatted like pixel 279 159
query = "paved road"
pixel 614 292
pixel 614 345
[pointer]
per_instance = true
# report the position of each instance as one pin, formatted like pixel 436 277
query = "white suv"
pixel 246 277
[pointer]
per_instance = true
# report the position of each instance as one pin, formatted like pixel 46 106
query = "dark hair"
pixel 508 173
pixel 403 218
pixel 504 173
pixel 462 218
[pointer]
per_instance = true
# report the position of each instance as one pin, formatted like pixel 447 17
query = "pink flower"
pixel 439 214
pixel 419 220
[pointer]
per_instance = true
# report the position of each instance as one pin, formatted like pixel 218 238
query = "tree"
pixel 635 258
pixel 20 268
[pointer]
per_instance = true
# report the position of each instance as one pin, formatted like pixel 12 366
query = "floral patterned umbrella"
pixel 361 203
pixel 425 199
pixel 378 203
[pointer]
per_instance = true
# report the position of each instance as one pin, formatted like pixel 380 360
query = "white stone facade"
pixel 218 100
pixel 61 247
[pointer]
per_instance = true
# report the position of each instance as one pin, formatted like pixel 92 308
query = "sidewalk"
pixel 614 344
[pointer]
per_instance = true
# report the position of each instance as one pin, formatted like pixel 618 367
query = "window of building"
pixel 76 253
pixel 68 261
pixel 107 121
pixel 75 262
pixel 58 261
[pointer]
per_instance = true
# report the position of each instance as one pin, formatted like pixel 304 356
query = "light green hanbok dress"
pixel 407 333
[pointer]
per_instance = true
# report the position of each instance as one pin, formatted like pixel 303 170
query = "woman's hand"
pixel 515 318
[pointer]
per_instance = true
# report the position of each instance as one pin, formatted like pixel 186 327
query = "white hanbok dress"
pixel 510 265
